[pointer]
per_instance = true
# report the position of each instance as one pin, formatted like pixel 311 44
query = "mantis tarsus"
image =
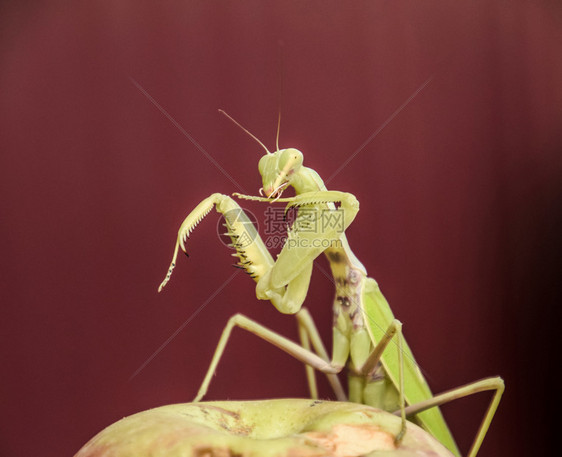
pixel 363 321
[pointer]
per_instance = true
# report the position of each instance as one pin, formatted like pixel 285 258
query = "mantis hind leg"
pixel 496 384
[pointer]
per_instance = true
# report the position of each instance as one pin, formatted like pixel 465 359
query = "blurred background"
pixel 443 118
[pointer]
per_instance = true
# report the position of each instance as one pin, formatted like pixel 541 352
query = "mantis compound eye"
pixel 290 159
pixel 262 164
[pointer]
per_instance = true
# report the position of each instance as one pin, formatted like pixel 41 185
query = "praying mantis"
pixel 363 322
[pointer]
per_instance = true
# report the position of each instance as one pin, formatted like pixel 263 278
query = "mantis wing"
pixel 378 316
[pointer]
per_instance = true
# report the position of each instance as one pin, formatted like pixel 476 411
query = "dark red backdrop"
pixel 460 197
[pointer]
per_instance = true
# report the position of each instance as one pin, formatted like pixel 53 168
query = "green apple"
pixel 267 428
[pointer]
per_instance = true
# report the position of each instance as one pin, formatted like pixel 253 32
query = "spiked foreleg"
pixel 254 257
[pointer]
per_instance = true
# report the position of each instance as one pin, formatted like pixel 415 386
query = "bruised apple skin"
pixel 266 428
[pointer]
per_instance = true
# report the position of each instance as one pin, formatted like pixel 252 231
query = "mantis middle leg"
pixel 285 344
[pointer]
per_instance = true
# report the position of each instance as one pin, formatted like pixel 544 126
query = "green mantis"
pixel 363 323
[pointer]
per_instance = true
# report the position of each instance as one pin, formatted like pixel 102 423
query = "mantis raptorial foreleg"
pixel 254 256
pixel 285 281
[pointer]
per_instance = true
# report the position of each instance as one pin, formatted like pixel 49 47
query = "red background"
pixel 460 197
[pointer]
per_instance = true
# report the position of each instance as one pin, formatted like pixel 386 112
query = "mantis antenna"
pixel 280 90
pixel 278 128
pixel 246 130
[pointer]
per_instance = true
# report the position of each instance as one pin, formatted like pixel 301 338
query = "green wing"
pixel 378 317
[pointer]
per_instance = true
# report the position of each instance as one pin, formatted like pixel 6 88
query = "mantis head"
pixel 278 169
